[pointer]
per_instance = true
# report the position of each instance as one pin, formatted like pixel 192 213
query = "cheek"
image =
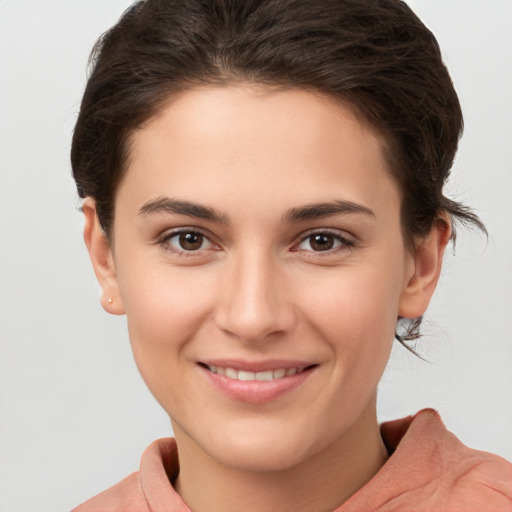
pixel 165 309
pixel 360 306
pixel 355 313
pixel 156 296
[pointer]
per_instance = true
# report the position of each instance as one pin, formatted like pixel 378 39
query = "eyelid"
pixel 168 234
pixel 346 241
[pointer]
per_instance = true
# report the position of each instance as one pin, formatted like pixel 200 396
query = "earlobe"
pixel 427 258
pixel 102 259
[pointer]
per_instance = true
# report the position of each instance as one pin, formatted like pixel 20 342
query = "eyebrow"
pixel 178 207
pixel 321 210
pixel 292 216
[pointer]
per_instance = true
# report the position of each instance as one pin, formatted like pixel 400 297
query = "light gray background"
pixel 74 414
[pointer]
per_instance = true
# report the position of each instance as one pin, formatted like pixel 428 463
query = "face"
pixel 258 254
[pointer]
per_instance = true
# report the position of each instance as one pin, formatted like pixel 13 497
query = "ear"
pixel 102 259
pixel 427 262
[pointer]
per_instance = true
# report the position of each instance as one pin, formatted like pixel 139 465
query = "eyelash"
pixel 345 243
pixel 164 241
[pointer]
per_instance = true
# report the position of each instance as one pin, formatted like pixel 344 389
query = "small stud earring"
pixel 109 300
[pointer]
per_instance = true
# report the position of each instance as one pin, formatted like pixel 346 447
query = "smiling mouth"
pixel 256 382
pixel 267 375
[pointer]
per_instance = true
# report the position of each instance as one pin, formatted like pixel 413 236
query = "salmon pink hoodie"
pixel 429 469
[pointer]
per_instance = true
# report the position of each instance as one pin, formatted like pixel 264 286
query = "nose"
pixel 254 303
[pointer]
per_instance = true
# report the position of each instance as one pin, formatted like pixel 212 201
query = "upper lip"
pixel 257 366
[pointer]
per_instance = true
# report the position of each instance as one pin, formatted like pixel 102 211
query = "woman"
pixel 263 198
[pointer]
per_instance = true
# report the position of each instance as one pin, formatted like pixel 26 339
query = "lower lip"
pixel 256 391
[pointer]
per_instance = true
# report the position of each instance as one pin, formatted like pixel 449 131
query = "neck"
pixel 321 483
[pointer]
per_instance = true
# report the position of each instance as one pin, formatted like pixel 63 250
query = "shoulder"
pixel 126 496
pixel 454 476
pixel 481 479
pixel 430 469
pixel 473 476
pixel 148 489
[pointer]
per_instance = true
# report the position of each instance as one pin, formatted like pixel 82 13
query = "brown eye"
pixel 321 242
pixel 191 241
pixel 187 242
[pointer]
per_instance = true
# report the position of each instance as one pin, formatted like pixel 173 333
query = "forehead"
pixel 291 146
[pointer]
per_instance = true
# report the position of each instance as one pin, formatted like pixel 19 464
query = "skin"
pixel 259 289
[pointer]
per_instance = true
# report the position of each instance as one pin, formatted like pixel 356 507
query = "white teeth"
pixel 267 375
pixel 231 373
pixel 245 375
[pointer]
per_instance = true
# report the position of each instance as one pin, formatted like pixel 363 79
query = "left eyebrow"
pixel 321 210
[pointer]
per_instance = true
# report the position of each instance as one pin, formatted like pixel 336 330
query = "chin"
pixel 264 450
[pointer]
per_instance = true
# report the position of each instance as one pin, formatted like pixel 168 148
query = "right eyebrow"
pixel 169 205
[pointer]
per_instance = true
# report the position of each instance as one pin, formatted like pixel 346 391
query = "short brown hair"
pixel 375 55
